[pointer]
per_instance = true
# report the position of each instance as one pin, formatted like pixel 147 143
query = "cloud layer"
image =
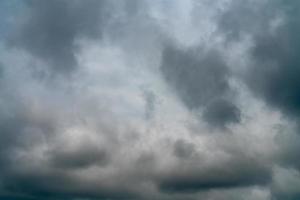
pixel 163 99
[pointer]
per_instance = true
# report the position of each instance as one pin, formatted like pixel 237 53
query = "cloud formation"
pixel 50 29
pixel 149 100
pixel 201 81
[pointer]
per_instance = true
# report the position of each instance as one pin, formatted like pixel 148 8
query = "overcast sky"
pixel 149 99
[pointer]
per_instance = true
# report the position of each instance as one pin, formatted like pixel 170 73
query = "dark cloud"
pixel 20 132
pixel 195 174
pixel 200 78
pixel 272 75
pixel 286 196
pixel 59 185
pixel 287 140
pixel 79 158
pixel 183 149
pixel 196 76
pixel 221 112
pixel 24 127
pixel 286 184
pixel 86 137
pixel 51 28
pixel 243 19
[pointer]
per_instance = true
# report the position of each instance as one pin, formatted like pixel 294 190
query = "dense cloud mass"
pixel 51 28
pixel 143 100
pixel 201 80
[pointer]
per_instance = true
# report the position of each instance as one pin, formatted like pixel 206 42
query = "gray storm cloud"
pixel 144 100
pixel 50 29
pixel 201 80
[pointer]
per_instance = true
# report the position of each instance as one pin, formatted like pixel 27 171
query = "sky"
pixel 149 100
